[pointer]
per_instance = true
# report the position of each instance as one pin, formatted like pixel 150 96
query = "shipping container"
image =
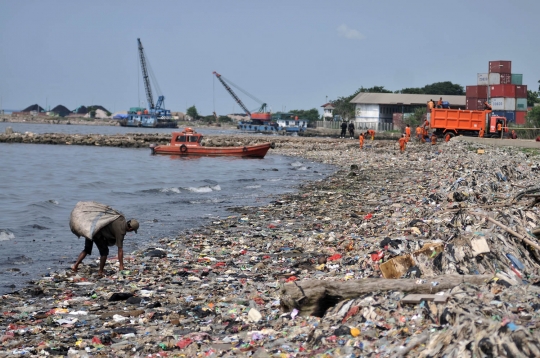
pixel 521 91
pixel 517 79
pixel 500 67
pixel 503 91
pixel 503 104
pixel 521 117
pixel 494 78
pixel 475 104
pixel 506 78
pixel 509 115
pixel 521 104
pixel 483 79
pixel 476 91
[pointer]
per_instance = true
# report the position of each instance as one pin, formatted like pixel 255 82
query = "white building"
pixel 328 112
pixel 380 107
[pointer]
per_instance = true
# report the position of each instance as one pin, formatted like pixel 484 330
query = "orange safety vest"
pixel 402 141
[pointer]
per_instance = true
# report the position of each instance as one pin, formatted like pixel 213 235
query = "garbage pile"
pixel 430 253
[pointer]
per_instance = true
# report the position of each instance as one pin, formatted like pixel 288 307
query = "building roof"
pixel 405 99
pixel 328 105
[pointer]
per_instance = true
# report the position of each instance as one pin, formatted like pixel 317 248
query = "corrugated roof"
pixel 406 99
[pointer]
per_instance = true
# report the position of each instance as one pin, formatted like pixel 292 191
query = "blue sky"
pixel 290 54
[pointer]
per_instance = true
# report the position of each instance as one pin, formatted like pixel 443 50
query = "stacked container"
pixel 503 89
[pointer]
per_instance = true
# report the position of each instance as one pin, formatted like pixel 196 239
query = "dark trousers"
pixel 101 245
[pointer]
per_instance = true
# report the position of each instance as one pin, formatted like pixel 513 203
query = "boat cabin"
pixel 187 137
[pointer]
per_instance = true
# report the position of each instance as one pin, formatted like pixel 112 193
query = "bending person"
pixel 111 234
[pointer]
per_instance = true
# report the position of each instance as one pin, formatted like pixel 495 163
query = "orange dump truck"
pixel 464 122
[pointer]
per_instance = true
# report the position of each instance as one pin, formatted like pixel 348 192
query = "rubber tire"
pixel 183 148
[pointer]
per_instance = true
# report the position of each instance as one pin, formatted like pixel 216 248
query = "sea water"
pixel 40 185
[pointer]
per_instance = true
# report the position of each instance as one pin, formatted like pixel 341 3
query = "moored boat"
pixel 188 142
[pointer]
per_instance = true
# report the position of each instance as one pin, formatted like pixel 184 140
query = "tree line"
pixel 344 108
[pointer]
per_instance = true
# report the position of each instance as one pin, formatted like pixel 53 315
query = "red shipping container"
pixel 500 66
pixel 476 91
pixel 521 91
pixel 508 91
pixel 475 104
pixel 506 78
pixel 520 117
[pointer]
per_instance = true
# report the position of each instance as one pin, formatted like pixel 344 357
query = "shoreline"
pixel 215 288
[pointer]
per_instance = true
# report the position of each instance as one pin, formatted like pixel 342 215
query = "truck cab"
pixel 492 126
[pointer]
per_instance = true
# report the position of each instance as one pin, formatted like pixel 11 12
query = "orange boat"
pixel 188 142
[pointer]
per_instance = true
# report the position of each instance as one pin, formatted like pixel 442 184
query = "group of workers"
pixel 440 104
pixel 421 135
pixel 362 136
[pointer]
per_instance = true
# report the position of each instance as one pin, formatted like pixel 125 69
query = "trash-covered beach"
pixel 434 252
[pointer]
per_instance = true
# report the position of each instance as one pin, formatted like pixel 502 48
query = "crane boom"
pixel 147 87
pixel 229 89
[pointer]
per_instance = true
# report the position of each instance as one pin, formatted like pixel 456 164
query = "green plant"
pixel 192 112
pixel 531 151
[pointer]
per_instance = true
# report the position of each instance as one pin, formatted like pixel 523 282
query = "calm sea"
pixel 40 185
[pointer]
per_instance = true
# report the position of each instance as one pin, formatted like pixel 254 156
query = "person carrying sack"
pixel 103 226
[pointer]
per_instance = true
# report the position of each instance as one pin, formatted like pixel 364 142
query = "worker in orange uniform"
pixel 447 137
pixel 433 138
pixel 487 106
pixel 499 128
pixel 439 103
pixel 419 133
pixel 430 105
pixel 481 133
pixel 408 132
pixel 371 132
pixel 402 142
pixel 361 140
pixel 425 128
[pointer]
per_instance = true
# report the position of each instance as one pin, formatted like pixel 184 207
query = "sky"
pixel 293 54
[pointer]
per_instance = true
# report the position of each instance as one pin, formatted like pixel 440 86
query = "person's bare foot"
pixel 100 274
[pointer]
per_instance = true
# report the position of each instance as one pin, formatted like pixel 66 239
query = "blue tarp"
pixel 120 116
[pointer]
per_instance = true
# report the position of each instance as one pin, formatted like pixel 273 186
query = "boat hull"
pixel 252 151
pixel 250 127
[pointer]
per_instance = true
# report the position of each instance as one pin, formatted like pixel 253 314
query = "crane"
pixel 229 89
pixel 156 115
pixel 148 88
pixel 146 79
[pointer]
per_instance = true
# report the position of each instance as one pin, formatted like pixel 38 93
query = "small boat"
pixel 188 142
pixel 148 121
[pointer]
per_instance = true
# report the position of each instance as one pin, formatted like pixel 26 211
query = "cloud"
pixel 352 34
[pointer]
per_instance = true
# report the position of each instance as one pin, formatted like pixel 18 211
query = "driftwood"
pixel 314 297
pixel 508 230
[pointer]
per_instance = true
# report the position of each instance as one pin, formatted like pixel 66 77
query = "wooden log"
pixel 508 230
pixel 314 297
